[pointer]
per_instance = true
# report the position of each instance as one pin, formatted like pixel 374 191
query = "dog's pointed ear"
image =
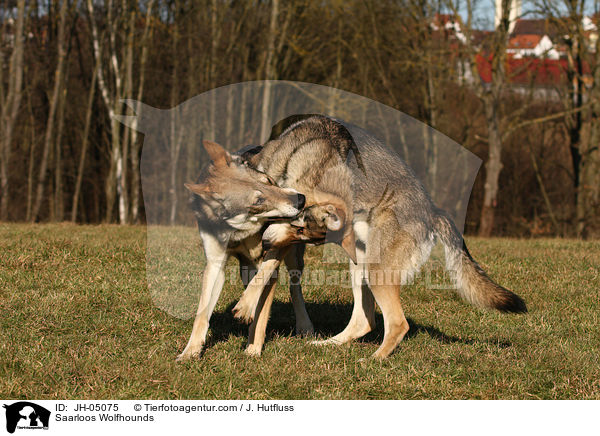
pixel 335 218
pixel 218 154
pixel 199 189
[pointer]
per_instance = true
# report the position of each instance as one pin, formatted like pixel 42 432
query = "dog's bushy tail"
pixel 472 283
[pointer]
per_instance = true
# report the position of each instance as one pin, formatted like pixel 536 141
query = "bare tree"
pixel 32 147
pixel 59 197
pixel 135 144
pixel 490 96
pixel 54 102
pixel 112 97
pixel 85 142
pixel 176 128
pixel 11 102
pixel 383 49
pixel 115 81
pixel 591 171
pixel 580 101
pixel 265 127
pixel 574 99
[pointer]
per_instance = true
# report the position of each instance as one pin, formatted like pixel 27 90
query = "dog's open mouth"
pixel 276 219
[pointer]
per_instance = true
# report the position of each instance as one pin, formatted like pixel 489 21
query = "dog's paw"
pixel 305 329
pixel 378 356
pixel 243 311
pixel 190 353
pixel 253 350
pixel 321 342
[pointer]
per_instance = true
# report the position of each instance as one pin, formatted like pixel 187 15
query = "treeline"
pixel 66 66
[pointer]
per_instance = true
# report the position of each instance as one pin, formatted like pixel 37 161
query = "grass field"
pixel 77 321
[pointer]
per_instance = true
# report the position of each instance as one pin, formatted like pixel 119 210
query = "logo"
pixel 26 415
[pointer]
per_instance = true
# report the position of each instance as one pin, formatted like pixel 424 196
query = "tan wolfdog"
pixel 327 217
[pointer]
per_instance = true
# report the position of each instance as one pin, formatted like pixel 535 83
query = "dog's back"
pixel 304 152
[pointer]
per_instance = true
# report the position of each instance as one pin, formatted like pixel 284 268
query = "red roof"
pixel 526 71
pixel 534 27
pixel 443 19
pixel 524 41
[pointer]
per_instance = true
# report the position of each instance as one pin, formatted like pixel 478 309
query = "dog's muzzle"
pixel 299 201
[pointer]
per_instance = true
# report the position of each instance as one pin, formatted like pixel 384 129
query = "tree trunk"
pixel 174 134
pixel 10 107
pixel 58 84
pixel 491 100
pixel 115 183
pixel 30 177
pixel 493 167
pixel 215 32
pixel 265 127
pixel 135 147
pixel 59 205
pixel 124 205
pixel 244 99
pixel 112 183
pixel 85 142
pixel 576 122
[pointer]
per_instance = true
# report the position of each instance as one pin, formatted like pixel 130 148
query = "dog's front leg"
pixel 212 285
pixel 258 328
pixel 246 308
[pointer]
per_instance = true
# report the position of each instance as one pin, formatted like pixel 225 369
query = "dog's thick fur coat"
pixel 395 225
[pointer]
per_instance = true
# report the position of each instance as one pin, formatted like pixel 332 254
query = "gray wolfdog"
pixel 395 227
pixel 234 202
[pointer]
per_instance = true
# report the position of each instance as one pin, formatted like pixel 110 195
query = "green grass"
pixel 77 321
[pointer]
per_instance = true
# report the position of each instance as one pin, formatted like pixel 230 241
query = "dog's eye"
pixel 259 201
pixel 269 181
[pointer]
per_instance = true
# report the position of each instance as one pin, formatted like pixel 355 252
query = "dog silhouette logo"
pixel 26 415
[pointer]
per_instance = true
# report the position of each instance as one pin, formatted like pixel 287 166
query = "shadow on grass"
pixel 328 319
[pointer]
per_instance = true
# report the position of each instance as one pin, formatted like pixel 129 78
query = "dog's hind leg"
pixel 362 320
pixel 294 261
pixel 212 285
pixel 402 256
pixel 387 296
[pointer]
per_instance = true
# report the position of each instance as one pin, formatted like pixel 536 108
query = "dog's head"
pixel 242 195
pixel 316 224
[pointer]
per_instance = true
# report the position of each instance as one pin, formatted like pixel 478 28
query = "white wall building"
pixel 539 46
